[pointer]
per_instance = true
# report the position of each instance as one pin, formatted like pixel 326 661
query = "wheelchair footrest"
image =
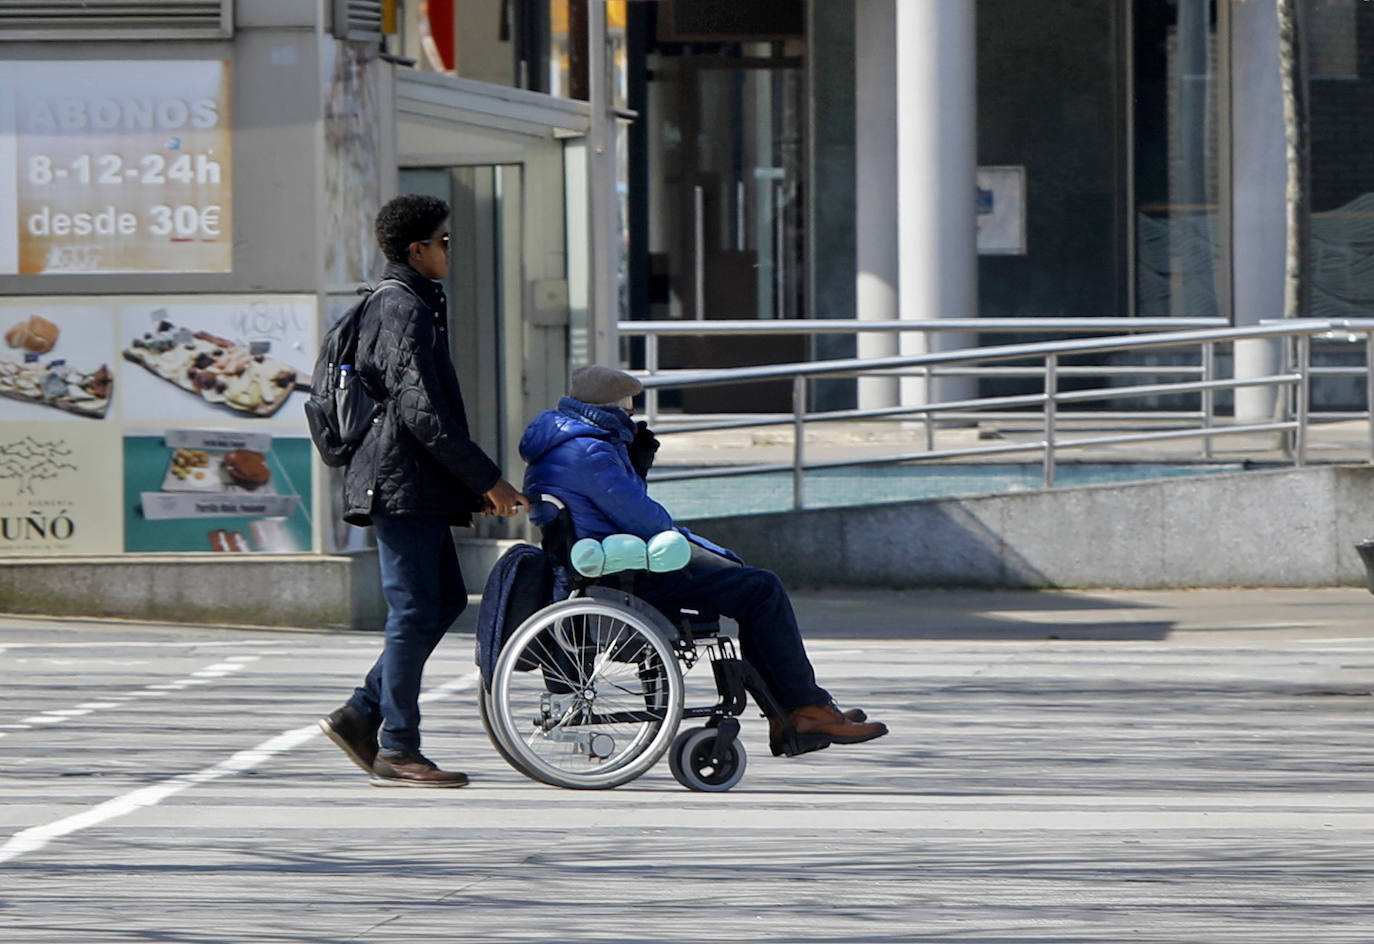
pixel 798 744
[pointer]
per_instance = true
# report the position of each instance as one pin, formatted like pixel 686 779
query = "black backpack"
pixel 340 409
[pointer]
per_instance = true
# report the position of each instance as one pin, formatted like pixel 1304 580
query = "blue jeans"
pixel 768 635
pixel 424 592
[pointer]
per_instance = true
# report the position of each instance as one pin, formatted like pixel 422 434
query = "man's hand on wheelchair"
pixel 502 499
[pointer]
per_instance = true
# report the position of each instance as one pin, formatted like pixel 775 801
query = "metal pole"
pixel 779 253
pixel 1051 391
pixel 798 438
pixel 651 366
pixel 1369 387
pixel 699 251
pixel 1287 392
pixel 602 233
pixel 928 416
pixel 1209 368
pixel 740 197
pixel 1303 394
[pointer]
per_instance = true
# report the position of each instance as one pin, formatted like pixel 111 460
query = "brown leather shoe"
pixel 817 726
pixel 413 769
pixel 829 722
pixel 852 714
pixel 354 736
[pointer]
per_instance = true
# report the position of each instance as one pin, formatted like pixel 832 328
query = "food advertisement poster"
pixel 59 490
pixel 241 358
pixel 228 491
pixel 115 166
pixel 155 424
pixel 56 361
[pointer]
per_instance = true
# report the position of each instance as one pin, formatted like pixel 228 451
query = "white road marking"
pixel 127 644
pixel 199 677
pixel 36 837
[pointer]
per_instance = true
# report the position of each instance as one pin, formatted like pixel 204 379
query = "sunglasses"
pixel 442 239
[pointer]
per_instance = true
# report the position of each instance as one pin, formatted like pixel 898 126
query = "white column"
pixel 1259 175
pixel 937 160
pixel 603 237
pixel 875 172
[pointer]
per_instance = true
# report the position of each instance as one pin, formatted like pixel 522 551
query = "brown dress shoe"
pixel 829 722
pixel 852 714
pixel 413 769
pixel 354 736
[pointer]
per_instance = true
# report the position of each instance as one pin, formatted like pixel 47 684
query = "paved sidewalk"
pixel 1063 767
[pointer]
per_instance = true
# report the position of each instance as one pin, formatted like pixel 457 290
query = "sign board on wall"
pixel 155 423
pixel 1002 211
pixel 115 166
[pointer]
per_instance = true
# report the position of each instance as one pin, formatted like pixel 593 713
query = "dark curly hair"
pixel 409 218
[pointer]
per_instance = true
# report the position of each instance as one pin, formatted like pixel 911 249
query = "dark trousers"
pixel 424 593
pixel 768 635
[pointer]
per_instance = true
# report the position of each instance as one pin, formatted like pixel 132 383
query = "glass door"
pixel 726 209
pixel 729 209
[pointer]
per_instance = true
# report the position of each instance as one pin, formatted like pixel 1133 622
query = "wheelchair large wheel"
pixel 585 695
pixel 485 711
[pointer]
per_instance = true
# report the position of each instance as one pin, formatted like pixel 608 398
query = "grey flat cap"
pixel 602 386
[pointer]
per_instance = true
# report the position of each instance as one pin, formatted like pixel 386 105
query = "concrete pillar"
pixel 937 161
pixel 875 178
pixel 1259 179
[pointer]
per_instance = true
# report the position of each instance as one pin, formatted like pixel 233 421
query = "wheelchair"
pixel 588 693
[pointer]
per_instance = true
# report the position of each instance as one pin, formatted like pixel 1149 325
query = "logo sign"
pixel 110 166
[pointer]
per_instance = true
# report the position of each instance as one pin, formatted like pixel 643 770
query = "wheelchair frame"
pixel 526 724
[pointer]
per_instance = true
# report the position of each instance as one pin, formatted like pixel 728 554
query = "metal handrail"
pixel 651 331
pixel 1292 381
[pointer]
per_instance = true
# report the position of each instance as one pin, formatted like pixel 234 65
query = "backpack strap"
pixel 373 292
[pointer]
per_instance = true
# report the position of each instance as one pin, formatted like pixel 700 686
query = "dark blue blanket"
pixel 520 585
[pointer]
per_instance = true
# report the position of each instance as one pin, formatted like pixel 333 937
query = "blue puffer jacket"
pixel 579 454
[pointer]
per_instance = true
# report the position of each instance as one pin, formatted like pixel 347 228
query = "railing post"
pixel 651 367
pixel 929 419
pixel 1209 370
pixel 798 438
pixel 1302 395
pixel 1369 387
pixel 1051 392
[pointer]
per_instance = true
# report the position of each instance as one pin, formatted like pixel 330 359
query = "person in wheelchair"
pixel 592 456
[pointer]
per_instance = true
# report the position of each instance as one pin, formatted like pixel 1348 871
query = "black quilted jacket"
pixel 418 459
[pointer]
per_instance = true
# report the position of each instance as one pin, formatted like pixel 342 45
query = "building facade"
pixel 188 189
pixel 186 202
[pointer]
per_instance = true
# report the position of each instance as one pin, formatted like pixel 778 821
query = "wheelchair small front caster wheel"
pixel 693 766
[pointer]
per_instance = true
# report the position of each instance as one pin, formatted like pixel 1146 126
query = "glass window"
pixel 1340 42
pixel 1179 265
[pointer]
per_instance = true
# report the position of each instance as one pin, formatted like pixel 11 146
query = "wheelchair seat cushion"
pixel 668 551
pixel 588 558
pixel 624 552
pixel 616 553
